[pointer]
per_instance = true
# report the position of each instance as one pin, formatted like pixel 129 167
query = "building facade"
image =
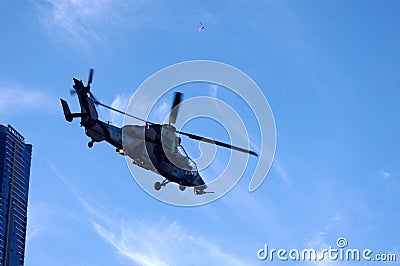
pixel 15 163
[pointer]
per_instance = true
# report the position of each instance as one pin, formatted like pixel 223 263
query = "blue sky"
pixel 329 69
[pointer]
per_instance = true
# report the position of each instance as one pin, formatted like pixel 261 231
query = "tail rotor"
pixel 79 87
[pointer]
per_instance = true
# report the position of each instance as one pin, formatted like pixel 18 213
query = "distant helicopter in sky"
pixel 152 146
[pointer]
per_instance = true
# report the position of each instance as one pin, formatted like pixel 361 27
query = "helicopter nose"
pixel 199 181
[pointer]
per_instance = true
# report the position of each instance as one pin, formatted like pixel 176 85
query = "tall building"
pixel 15 163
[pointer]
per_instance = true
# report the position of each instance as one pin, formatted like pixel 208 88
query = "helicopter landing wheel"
pixel 182 188
pixel 90 144
pixel 157 185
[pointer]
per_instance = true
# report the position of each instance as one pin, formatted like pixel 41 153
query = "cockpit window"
pixel 191 163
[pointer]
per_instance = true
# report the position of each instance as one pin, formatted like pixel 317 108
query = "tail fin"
pixel 67 111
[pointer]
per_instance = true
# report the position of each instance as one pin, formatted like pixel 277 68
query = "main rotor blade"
pixel 93 98
pixel 208 140
pixel 121 112
pixel 175 107
pixel 91 71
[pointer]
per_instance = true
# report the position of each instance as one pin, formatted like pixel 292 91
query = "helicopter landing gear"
pixel 158 185
pixel 182 188
pixel 90 144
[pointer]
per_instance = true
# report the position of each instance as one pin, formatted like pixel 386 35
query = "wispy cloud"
pixel 277 165
pixel 158 112
pixel 149 242
pixel 16 99
pixel 213 90
pixel 120 103
pixel 36 223
pixel 143 242
pixel 77 21
pixel 86 22
pixel 392 179
pixel 318 242
pixel 385 174
pixel 162 111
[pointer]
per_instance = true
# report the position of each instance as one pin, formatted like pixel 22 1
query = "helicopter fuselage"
pixel 152 147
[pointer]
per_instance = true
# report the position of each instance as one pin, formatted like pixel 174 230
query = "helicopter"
pixel 152 146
